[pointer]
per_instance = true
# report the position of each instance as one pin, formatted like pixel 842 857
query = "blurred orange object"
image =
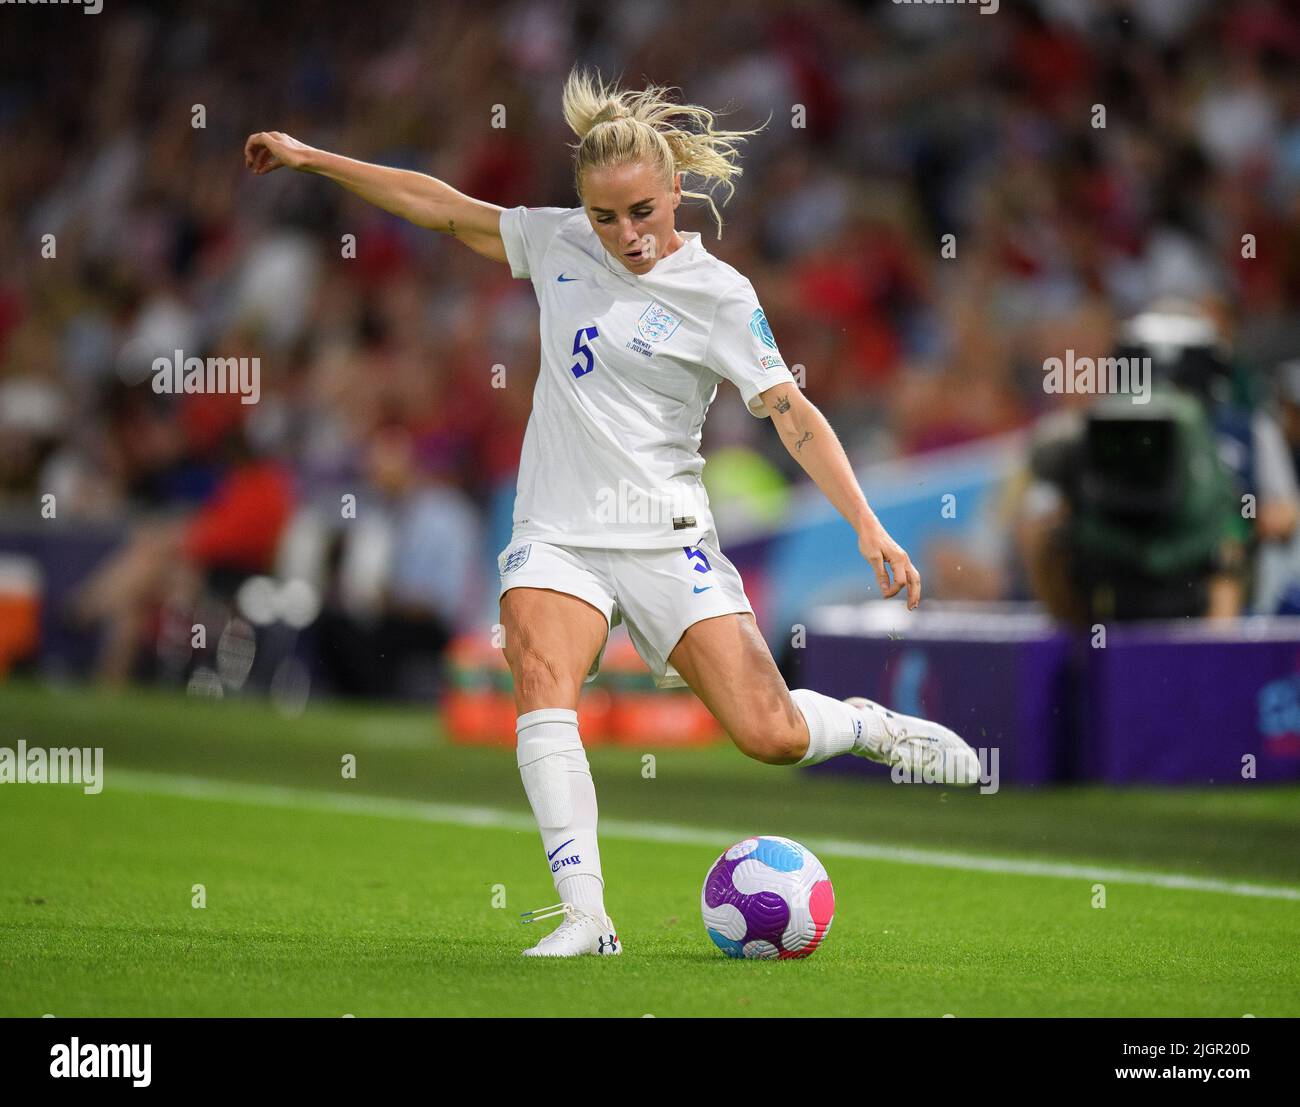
pixel 478 708
pixel 20 610
pixel 643 715
pixel 621 705
pixel 663 718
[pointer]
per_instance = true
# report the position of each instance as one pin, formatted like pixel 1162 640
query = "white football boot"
pixel 926 749
pixel 580 933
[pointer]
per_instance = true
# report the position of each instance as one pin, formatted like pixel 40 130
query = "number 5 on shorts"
pixel 694 553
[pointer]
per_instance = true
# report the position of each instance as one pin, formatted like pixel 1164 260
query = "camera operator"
pixel 1149 507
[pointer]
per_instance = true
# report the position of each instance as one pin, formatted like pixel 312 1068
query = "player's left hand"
pixel 880 550
pixel 268 150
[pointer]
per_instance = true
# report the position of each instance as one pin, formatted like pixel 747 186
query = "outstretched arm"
pixel 813 445
pixel 424 200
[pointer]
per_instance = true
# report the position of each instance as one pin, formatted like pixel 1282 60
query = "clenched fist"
pixel 269 150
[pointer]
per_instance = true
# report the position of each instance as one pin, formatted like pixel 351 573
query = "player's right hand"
pixel 269 150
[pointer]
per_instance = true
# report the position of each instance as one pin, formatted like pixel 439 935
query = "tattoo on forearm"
pixel 807 437
pixel 451 227
pixel 782 404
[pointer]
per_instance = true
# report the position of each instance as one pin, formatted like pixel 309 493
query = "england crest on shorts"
pixel 515 558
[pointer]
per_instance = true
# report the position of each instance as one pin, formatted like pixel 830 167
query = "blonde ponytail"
pixel 620 126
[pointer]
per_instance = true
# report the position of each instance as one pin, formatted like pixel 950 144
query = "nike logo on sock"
pixel 551 856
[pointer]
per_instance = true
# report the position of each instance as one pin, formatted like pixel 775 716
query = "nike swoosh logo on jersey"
pixel 698 589
pixel 564 280
pixel 551 856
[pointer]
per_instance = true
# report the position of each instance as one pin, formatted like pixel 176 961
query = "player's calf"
pixel 772 739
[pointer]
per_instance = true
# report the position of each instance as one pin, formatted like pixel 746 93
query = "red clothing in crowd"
pixel 240 526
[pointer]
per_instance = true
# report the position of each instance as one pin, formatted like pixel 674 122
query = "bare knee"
pixel 541 679
pixel 550 641
pixel 538 681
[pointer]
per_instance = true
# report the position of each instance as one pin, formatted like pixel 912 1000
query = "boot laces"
pixel 571 912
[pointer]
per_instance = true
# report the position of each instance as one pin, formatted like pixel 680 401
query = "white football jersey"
pixel 630 364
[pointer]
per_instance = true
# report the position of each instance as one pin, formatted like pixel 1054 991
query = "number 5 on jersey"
pixel 580 347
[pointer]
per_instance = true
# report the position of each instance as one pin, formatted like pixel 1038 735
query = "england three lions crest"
pixel 516 558
pixel 657 323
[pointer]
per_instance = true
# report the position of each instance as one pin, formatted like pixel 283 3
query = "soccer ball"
pixel 767 897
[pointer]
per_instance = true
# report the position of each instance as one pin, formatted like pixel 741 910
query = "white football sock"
pixel 583 890
pixel 834 727
pixel 557 780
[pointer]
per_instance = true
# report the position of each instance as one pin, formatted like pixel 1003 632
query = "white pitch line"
pixel 268 795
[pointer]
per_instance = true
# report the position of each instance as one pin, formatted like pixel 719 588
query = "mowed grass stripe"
pixel 311 913
pixel 267 795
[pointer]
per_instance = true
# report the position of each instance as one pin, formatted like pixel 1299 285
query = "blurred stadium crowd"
pixel 377 369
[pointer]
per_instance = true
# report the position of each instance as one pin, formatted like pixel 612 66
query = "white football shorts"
pixel 658 594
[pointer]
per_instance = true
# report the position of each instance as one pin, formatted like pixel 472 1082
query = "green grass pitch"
pixel 379 896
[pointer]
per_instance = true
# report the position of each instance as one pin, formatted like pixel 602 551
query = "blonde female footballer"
pixel 639 322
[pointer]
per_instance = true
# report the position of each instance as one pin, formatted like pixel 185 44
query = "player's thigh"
pixel 551 639
pixel 727 664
